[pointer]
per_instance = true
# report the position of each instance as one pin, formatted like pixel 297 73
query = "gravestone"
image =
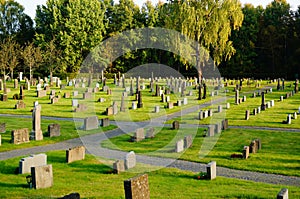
pixel 254 111
pixel 122 107
pixel 289 119
pixel 109 111
pixel 54 130
pixel 246 152
pixel 218 128
pixel 54 100
pixel 25 164
pixel 21 96
pixel 130 160
pixel 115 108
pixel 228 105
pixel 81 108
pixel 133 106
pixel 211 131
pixel 74 103
pixel 295 115
pixel 87 95
pixel 178 103
pixel 179 146
pixel 185 101
pixel 42 176
pixel 170 105
pixel 200 115
pixel 283 194
pixel 281 98
pixel 137 187
pixel 258 109
pixel 67 95
pixel 156 109
pixel 237 96
pixel 224 124
pixel 210 112
pixel 118 166
pixel 105 122
pixel 20 136
pixel 244 98
pixel 253 147
pixel 15 83
pixel 75 93
pixel 163 98
pixel 175 125
pixel 75 154
pixel 211 170
pixel 247 114
pixel 263 103
pixel 139 135
pixel 36 133
pixel 20 105
pixel 140 102
pixel 41 93
pixel 150 133
pixel 90 123
pixel 188 140
pixel 219 108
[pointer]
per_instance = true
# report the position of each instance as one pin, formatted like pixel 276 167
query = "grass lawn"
pixel 92 179
pixel 279 153
pixel 67 131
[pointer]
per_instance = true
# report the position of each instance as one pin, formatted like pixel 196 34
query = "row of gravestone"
pixel 139 134
pixel 290 117
pixel 216 128
pixel 41 173
pixel 129 162
pixel 253 148
pixel 91 123
pixel 183 144
pixel 19 136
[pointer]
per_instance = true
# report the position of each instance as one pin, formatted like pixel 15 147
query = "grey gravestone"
pixel 150 133
pixel 211 169
pixel 137 187
pixel 118 166
pixel 90 123
pixel 122 107
pixel 36 133
pixel 247 115
pixel 130 160
pixel 283 194
pixel 244 98
pixel 54 130
pixel 228 105
pixel 105 122
pixel 25 164
pixel 281 98
pixel 20 136
pixel 188 140
pixel 295 115
pixel 185 101
pixel 211 131
pixel 200 115
pixel 258 109
pixel 156 109
pixel 139 135
pixel 75 93
pixel 246 152
pixel 219 108
pixel 115 108
pixel 179 146
pixel 42 176
pixel 175 125
pixel 15 83
pixel 75 154
pixel 218 128
pixel 289 119
pixel 168 99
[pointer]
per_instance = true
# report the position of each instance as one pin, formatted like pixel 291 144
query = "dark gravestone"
pixel 237 97
pixel 175 125
pixel 2 127
pixel 71 196
pixel 200 92
pixel 137 187
pixel 54 130
pixel 278 84
pixel 140 102
pixel 204 91
pixel 22 96
pixel 263 103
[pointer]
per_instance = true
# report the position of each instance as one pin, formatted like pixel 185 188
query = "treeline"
pixel 243 42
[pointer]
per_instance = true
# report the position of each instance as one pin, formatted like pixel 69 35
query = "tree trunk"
pixel 12 74
pixel 30 72
pixel 198 65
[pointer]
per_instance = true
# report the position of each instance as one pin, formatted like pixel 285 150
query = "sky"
pixel 30 5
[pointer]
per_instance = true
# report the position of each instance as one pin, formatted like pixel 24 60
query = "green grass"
pixel 67 131
pixel 279 153
pixel 92 179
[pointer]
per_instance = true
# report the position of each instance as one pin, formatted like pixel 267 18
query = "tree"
pixel 14 22
pixel 76 25
pixel 209 23
pixel 32 57
pixel 9 56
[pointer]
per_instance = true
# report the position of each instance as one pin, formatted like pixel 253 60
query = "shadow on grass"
pixel 91 168
pixel 10 185
pixel 56 158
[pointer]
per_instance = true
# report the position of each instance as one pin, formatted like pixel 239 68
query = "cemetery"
pixel 101 111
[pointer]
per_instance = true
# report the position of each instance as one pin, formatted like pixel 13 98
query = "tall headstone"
pixel 122 106
pixel 140 102
pixel 211 169
pixel 137 187
pixel 15 83
pixel 204 91
pixel 236 96
pixel 22 96
pixel 283 194
pixel 263 103
pixel 36 133
pixel 247 115
pixel 199 92
pixel 4 96
pixel 246 152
